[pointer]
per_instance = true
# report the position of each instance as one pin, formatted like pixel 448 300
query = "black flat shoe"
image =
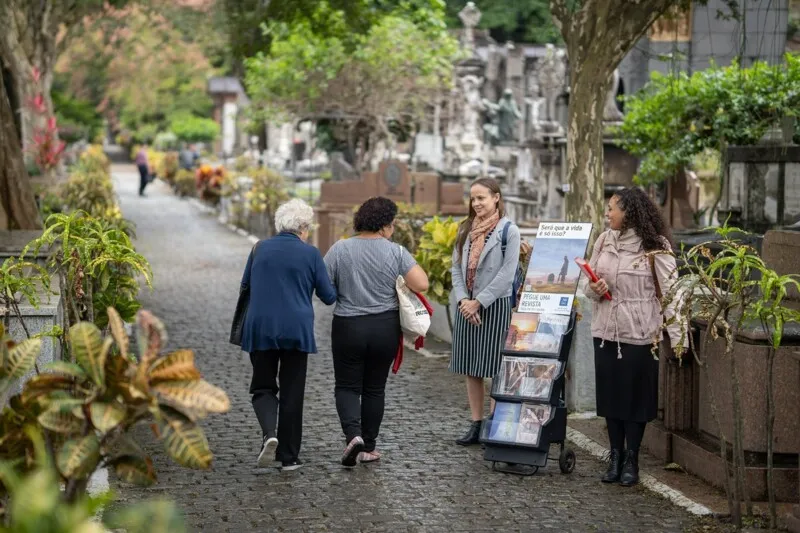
pixel 472 435
pixel 630 470
pixel 614 467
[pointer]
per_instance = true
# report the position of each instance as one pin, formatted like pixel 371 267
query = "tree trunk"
pixel 598 35
pixel 28 41
pixel 585 199
pixel 18 208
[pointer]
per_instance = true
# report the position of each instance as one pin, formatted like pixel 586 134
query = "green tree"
pixel 245 20
pixel 674 118
pixel 138 68
pixel 598 35
pixel 368 82
pixel 34 33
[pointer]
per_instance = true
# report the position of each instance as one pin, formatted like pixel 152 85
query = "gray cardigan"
pixel 495 275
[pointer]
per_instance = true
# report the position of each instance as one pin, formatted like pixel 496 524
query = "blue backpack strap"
pixel 504 240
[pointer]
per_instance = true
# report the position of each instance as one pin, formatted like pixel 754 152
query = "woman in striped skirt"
pixel 483 276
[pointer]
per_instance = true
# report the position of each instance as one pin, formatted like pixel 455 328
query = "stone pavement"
pixel 424 481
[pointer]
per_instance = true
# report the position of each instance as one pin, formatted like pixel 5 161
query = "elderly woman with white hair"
pixel 283 273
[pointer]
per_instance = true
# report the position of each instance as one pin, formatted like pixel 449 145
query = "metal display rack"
pixel 526 458
pixel 530 413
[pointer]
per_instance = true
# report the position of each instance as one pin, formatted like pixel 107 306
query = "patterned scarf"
pixel 477 237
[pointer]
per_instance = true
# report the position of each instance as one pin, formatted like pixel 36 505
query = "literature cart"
pixel 530 412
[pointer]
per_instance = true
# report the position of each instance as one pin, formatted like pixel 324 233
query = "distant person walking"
pixel 366 335
pixel 144 168
pixel 562 276
pixel 188 157
pixel 283 273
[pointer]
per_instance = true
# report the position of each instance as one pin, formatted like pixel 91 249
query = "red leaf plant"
pixel 45 145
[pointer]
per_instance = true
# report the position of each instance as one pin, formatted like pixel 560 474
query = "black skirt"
pixel 627 387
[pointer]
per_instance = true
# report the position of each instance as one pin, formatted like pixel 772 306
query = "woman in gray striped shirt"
pixel 483 277
pixel 366 332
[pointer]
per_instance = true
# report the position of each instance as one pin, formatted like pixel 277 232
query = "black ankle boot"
pixel 614 467
pixel 630 470
pixel 472 435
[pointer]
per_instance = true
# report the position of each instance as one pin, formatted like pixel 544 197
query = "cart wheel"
pixel 566 461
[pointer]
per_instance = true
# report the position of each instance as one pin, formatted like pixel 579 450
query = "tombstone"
pixel 470 119
pixel 552 77
pixel 341 170
pixel 470 16
pixel 504 116
pixel 762 189
pixel 394 181
pixel 229 98
pixel 611 111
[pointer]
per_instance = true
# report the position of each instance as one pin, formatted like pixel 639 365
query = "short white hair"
pixel 294 216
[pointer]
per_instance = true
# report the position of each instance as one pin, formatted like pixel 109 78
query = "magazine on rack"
pixel 535 333
pixel 504 422
pixel 531 419
pixel 527 377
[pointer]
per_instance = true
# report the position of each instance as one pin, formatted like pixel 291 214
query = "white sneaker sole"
pixel 289 468
pixel 267 455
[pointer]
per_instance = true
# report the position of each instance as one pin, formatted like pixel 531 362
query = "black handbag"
pixel 241 308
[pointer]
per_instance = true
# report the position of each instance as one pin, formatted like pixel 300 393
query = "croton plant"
pixel 87 403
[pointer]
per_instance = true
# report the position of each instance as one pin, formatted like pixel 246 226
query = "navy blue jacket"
pixel 283 272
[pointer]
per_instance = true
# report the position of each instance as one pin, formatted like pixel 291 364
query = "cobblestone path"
pixel 424 482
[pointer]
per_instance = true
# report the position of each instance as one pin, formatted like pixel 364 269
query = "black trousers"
pixel 144 175
pixel 281 415
pixel 363 350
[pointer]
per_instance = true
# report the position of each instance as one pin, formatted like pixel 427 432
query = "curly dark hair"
pixel 643 216
pixel 374 214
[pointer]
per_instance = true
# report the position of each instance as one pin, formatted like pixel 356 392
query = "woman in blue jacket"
pixel 283 273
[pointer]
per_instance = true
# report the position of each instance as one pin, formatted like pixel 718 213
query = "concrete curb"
pixel 423 352
pixel 649 482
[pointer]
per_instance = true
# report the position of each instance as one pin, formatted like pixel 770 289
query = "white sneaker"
pixel 267 454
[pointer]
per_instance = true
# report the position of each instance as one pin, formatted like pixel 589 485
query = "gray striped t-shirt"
pixel 364 272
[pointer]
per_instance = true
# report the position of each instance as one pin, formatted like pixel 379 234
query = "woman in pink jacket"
pixel 626 327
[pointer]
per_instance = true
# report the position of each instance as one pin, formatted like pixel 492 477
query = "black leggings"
pixel 621 432
pixel 363 350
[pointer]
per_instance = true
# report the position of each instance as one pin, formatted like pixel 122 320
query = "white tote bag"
pixel 414 317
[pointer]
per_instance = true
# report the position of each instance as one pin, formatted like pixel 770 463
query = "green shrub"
pixel 435 256
pixel 189 128
pixel 77 119
pixel 184 183
pixel 145 134
pixel 165 141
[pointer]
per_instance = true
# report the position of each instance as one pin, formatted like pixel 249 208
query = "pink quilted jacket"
pixel 633 315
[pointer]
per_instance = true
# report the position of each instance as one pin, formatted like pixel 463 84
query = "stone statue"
pixel 472 109
pixel 611 112
pixel 504 115
pixel 470 16
pixel 552 76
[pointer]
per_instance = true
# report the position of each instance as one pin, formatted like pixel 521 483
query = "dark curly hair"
pixel 374 214
pixel 644 217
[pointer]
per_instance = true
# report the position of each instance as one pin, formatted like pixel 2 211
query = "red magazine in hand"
pixel 589 272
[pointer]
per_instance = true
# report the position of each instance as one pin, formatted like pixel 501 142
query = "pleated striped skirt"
pixel 476 349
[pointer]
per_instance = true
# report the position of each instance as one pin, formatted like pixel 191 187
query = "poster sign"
pixel 552 276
